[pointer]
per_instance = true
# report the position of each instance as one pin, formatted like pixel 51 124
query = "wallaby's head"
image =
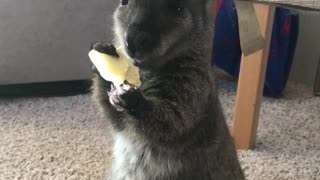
pixel 155 31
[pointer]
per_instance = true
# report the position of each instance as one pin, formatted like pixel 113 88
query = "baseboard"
pixel 47 89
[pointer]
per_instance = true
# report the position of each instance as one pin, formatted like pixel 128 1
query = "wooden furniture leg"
pixel 250 85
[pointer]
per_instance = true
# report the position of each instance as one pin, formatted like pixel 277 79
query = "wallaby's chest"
pixel 134 160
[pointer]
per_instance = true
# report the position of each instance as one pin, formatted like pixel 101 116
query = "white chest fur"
pixel 135 160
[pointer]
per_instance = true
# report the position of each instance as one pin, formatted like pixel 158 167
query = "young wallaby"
pixel 172 127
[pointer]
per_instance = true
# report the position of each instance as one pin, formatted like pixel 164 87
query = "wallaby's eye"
pixel 124 2
pixel 176 6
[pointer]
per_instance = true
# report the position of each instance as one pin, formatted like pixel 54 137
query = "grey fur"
pixel 172 127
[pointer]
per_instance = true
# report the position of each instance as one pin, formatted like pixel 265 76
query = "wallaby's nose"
pixel 138 42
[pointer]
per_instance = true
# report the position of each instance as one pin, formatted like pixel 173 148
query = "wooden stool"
pixel 250 85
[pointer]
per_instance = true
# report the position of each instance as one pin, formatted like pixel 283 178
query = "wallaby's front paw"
pixel 105 48
pixel 123 97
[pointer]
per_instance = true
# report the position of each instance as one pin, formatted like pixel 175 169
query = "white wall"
pixel 308 49
pixel 48 40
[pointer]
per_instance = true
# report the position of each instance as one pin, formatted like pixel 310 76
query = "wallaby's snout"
pixel 153 32
pixel 141 38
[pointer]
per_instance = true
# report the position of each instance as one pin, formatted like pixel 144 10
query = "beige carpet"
pixel 64 138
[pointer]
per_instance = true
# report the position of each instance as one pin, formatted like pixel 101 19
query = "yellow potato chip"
pixel 115 70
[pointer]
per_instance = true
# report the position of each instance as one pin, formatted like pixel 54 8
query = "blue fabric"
pixel 227 50
pixel 282 49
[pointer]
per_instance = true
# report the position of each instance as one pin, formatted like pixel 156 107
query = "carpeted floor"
pixel 64 138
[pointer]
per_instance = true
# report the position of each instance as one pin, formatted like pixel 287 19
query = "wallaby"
pixel 172 127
